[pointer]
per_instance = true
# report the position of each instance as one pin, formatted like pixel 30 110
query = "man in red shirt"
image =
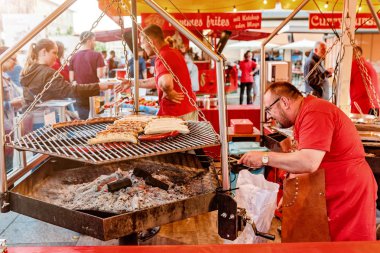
pixel 247 67
pixel 171 98
pixel 358 91
pixel 327 140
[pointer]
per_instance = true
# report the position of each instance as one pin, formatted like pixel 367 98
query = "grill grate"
pixel 71 143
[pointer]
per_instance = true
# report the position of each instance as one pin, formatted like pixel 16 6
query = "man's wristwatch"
pixel 265 160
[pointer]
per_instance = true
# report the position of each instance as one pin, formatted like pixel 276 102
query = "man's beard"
pixel 283 121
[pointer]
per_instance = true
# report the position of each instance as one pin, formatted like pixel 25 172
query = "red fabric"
pixel 65 70
pixel 246 67
pixel 85 64
pixel 350 185
pixel 358 92
pixel 177 64
pixel 336 247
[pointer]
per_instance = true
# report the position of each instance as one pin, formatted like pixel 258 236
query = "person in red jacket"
pixel 358 90
pixel 327 141
pixel 247 67
pixel 57 64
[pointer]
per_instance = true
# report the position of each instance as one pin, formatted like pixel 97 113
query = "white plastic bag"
pixel 258 196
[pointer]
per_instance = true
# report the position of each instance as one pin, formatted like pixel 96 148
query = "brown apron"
pixel 304 209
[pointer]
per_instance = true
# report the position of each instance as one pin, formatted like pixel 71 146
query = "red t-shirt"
pixel 64 72
pixel 358 91
pixel 246 67
pixel 177 64
pixel 85 64
pixel 351 190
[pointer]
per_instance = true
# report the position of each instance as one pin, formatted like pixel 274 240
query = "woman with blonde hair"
pixel 37 72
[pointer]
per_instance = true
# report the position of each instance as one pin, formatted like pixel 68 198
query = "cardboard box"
pixel 242 126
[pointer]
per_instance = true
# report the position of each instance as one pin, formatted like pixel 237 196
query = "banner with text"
pixel 328 20
pixel 201 21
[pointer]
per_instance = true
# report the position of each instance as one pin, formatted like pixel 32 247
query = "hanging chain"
pixel 321 59
pixel 368 84
pixel 120 3
pixel 363 70
pixel 175 78
pixel 56 74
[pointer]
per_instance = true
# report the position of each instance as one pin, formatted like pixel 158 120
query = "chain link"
pixel 175 78
pixel 56 74
pixel 368 84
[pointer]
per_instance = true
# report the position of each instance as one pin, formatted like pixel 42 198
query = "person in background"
pixel 326 141
pixel 193 71
pixel 358 90
pixel 37 72
pixel 317 83
pixel 247 67
pixel 171 98
pixel 14 74
pixel 57 64
pixel 104 54
pixel 86 67
pixel 11 103
pixel 142 65
pixel 112 64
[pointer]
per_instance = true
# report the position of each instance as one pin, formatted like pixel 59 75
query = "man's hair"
pixel 284 89
pixel 85 36
pixel 154 31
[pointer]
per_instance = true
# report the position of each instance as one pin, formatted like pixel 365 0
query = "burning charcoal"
pixel 156 183
pixel 119 184
pixel 138 172
pixel 109 179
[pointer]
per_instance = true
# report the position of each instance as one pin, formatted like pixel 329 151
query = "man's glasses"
pixel 268 109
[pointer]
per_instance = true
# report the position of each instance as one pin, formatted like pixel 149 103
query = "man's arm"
pixel 100 72
pixel 165 83
pixel 71 76
pixel 302 161
pixel 147 83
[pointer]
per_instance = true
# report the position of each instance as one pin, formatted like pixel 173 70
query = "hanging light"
pixel 326 5
pixel 265 2
pixel 234 8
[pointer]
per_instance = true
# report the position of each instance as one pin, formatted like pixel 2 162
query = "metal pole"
pixel 344 80
pixel 3 58
pixel 135 57
pixel 263 66
pixel 374 13
pixel 220 84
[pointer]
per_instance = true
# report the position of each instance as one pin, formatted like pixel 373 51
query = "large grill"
pixel 36 196
pixel 71 143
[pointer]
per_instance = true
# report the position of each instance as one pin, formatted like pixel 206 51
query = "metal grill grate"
pixel 71 143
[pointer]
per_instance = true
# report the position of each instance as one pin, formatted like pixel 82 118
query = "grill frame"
pixel 71 143
pixel 104 228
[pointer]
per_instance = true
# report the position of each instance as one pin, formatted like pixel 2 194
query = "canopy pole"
pixel 374 13
pixel 263 65
pixel 343 94
pixel 135 58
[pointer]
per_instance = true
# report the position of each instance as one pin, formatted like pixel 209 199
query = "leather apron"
pixel 304 209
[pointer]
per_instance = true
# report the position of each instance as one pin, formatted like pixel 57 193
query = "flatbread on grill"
pixel 113 136
pixel 79 122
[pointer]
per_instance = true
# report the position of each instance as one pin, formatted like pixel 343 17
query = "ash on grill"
pixel 88 191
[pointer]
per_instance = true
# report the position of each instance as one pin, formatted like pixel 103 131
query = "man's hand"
pixel 252 159
pixel 174 96
pixel 124 85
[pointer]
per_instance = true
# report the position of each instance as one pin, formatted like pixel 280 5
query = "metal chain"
pixel 175 78
pixel 56 74
pixel 321 59
pixel 368 84
pixel 120 3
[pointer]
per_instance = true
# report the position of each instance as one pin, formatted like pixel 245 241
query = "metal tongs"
pixel 236 167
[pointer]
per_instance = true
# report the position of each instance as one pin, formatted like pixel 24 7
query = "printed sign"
pixel 201 21
pixel 328 20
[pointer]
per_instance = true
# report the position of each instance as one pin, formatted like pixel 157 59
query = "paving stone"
pixel 6 219
pixel 85 240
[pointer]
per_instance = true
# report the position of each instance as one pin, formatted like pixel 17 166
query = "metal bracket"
pixel 4 202
pixel 227 216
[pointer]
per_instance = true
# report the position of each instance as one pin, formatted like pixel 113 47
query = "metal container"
pixel 35 196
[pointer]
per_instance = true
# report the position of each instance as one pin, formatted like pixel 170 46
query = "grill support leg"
pixel 131 239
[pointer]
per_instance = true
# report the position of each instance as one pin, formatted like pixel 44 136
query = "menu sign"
pixel 328 20
pixel 201 21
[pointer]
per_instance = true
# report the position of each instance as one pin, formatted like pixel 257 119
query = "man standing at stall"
pixel 86 67
pixel 317 83
pixel 329 143
pixel 172 100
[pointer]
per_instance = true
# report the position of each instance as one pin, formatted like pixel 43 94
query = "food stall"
pixel 105 225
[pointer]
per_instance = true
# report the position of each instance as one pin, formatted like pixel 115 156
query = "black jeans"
pixel 249 90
